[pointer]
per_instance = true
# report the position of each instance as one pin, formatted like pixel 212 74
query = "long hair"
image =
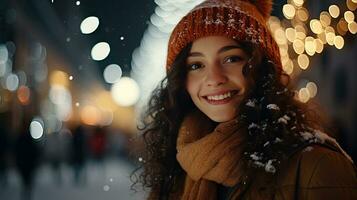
pixel 269 114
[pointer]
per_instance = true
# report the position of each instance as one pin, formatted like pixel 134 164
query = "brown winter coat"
pixel 321 173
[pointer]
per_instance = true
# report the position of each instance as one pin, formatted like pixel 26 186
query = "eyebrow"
pixel 221 50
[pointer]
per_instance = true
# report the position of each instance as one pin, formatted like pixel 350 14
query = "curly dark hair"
pixel 270 115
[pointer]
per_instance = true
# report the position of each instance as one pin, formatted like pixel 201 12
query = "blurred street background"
pixel 75 76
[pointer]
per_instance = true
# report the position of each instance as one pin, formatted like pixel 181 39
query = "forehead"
pixel 211 43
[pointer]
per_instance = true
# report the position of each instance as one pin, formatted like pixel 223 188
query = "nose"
pixel 215 76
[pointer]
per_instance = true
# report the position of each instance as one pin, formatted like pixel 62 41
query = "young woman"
pixel 224 124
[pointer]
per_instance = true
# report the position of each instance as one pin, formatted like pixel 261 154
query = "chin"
pixel 221 117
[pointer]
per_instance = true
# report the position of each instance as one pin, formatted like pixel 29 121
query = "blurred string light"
pixel 112 73
pixel 36 128
pixel 307 92
pixel 100 51
pixel 148 60
pixel 78 3
pixel 334 11
pixel 125 92
pixel 89 25
pixel 297 36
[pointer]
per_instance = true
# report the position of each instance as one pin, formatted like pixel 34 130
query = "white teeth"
pixel 220 97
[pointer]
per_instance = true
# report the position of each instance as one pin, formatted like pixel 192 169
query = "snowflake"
pixel 306 135
pixel 253 125
pixel 266 144
pixel 273 107
pixel 308 149
pixel 255 156
pixel 277 140
pixel 250 103
pixel 269 167
pixel 284 119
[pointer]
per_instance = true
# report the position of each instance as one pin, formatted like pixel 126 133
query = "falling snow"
pixel 266 144
pixel 106 188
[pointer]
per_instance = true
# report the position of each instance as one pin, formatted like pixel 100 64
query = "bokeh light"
pixel 339 42
pixel 349 16
pixel 89 25
pixel 90 115
pixel 302 14
pixel 100 51
pixel 312 88
pixel 298 2
pixel 325 19
pixel 23 94
pixel 352 27
pixel 12 82
pixel 36 128
pixel 4 54
pixel 288 67
pixel 58 77
pixel 310 46
pixel 319 45
pixel 304 95
pixel 112 73
pixel 290 34
pixel 125 92
pixel 351 4
pixel 334 11
pixel 303 61
pixel 316 26
pixel 289 11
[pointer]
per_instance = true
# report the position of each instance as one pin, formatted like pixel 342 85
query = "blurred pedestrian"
pixel 27 160
pixel 79 149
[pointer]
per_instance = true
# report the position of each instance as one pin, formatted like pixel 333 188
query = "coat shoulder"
pixel 317 172
pixel 320 166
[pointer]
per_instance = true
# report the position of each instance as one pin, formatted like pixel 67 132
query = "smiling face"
pixel 215 80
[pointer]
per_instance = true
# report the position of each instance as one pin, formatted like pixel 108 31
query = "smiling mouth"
pixel 222 98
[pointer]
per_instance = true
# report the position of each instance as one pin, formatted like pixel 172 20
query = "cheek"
pixel 191 87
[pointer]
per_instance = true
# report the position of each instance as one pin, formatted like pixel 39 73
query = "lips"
pixel 221 97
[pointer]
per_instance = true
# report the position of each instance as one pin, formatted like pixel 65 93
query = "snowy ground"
pixel 109 181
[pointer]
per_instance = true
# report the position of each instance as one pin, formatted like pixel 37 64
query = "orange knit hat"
pixel 242 20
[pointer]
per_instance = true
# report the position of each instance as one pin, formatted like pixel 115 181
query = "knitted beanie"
pixel 241 20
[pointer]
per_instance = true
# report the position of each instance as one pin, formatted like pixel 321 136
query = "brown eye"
pixel 194 66
pixel 232 59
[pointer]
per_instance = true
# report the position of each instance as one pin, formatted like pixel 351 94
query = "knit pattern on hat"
pixel 237 19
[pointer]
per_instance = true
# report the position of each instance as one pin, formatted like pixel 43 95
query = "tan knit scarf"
pixel 209 155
